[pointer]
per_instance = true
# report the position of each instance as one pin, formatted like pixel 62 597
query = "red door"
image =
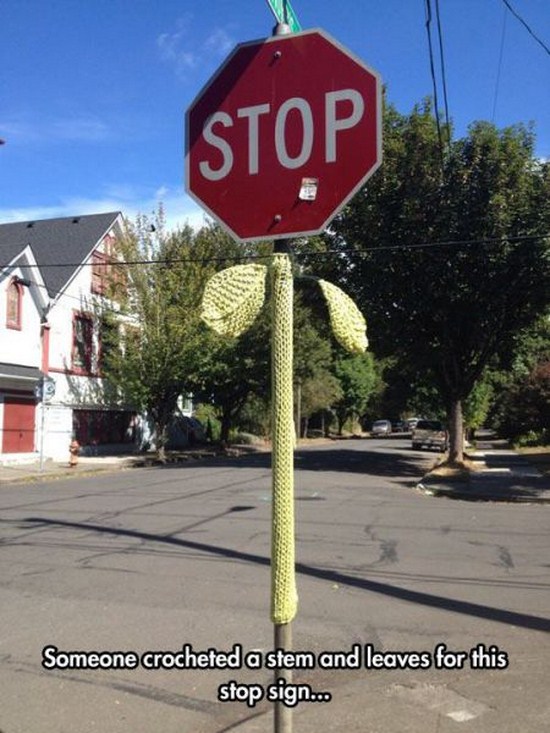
pixel 18 434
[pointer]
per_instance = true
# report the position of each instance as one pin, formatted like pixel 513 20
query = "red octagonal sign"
pixel 283 135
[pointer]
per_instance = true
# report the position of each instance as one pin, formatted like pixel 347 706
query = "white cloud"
pixel 71 129
pixel 219 42
pixel 185 52
pixel 179 209
pixel 81 129
pixel 169 46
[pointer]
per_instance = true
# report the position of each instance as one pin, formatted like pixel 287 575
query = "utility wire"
pixel 443 73
pixel 240 258
pixel 501 53
pixel 326 253
pixel 527 26
pixel 434 81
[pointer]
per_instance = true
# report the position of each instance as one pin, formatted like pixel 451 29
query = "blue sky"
pixel 93 92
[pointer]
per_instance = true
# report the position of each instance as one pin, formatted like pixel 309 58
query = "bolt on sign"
pixel 283 135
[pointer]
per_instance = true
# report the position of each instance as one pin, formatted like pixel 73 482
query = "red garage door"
pixel 18 434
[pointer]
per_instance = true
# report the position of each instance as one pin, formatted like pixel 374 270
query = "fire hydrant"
pixel 74 450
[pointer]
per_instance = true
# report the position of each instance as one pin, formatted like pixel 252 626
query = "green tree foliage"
pixel 158 342
pixel 358 380
pixel 478 403
pixel 448 309
pixel 319 392
pixel 521 410
pixel 155 332
pixel 316 387
pixel 225 371
pixel 230 370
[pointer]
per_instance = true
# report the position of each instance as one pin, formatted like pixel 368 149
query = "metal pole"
pixel 42 429
pixel 282 372
pixel 283 589
pixel 282 713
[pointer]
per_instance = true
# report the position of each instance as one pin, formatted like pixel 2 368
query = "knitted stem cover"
pixel 284 598
pixel 232 300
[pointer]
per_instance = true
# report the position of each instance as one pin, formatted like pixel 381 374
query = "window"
pixel 109 342
pixel 83 330
pixel 108 274
pixel 14 305
pixel 98 427
pixel 100 273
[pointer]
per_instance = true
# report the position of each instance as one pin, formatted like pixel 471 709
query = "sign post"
pixel 280 138
pixel 44 391
pixel 284 13
pixel 284 599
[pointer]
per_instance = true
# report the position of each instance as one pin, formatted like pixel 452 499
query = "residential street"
pixel 152 559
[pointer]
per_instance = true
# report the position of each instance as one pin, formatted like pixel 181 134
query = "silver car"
pixel 381 427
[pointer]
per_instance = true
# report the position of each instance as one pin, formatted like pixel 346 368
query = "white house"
pixel 52 273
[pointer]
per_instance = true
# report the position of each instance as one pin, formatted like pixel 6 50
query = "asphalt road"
pixel 153 559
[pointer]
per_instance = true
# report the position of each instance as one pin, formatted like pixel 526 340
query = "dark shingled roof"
pixel 17 370
pixel 65 242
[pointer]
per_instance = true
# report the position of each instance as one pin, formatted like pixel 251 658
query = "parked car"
pixel 411 423
pixel 431 434
pixel 381 427
pixel 398 426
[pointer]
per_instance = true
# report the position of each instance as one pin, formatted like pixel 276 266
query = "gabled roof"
pixel 60 246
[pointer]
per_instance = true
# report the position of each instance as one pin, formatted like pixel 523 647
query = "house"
pixel 53 273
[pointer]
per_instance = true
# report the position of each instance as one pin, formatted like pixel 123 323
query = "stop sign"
pixel 283 135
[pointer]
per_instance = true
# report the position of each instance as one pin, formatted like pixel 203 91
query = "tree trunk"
pixel 225 427
pixel 298 409
pixel 456 432
pixel 162 439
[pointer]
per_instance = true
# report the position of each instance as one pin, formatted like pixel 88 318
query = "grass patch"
pixel 455 472
pixel 538 456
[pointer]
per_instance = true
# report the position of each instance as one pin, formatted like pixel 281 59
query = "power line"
pixel 245 257
pixel 326 253
pixel 527 26
pixel 434 81
pixel 443 73
pixel 501 53
pixel 429 245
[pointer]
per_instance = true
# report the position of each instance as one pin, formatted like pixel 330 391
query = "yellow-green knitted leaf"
pixel 348 324
pixel 233 298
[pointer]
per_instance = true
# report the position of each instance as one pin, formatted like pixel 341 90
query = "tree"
pixel 454 260
pixel 229 370
pixel 315 386
pixel 318 392
pixel 151 337
pixel 358 380
pixel 158 341
pixel 521 410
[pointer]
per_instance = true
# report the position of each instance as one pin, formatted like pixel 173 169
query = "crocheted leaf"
pixel 348 324
pixel 233 298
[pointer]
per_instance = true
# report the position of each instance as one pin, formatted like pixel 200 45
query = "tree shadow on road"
pixel 391 464
pixel 455 605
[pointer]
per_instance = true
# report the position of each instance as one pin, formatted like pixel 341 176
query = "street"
pixel 150 560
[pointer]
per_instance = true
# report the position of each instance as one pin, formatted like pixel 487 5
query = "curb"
pixel 461 494
pixel 34 478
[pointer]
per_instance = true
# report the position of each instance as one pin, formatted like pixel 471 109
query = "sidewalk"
pixel 498 475
pixel 31 472
pixel 90 465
